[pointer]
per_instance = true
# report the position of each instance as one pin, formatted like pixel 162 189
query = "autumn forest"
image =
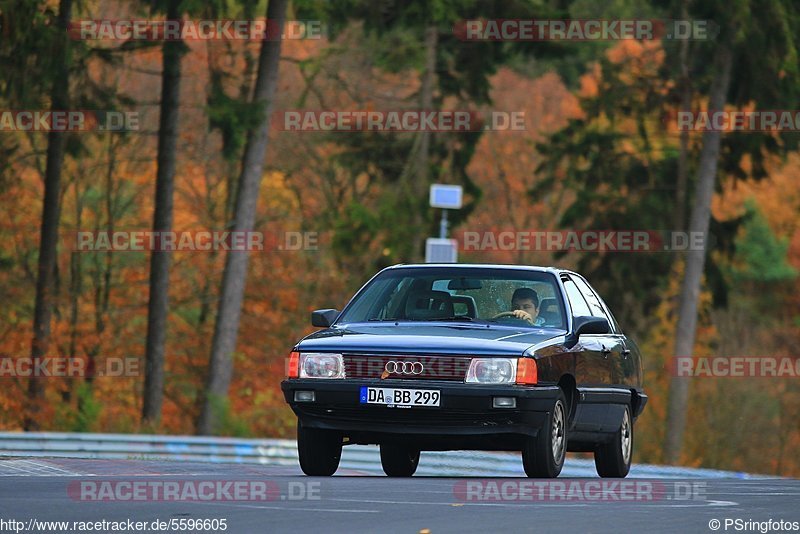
pixel 196 341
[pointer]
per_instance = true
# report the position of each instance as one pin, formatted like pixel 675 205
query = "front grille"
pixel 453 368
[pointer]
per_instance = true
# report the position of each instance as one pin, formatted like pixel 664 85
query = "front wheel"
pixel 319 450
pixel 543 456
pixel 613 459
pixel 399 460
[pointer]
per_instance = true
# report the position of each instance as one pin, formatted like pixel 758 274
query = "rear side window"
pixel 598 308
pixel 591 298
pixel 576 300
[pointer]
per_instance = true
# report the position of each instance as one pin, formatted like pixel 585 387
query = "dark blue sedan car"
pixel 455 357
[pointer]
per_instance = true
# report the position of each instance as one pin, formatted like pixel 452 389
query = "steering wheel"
pixel 510 314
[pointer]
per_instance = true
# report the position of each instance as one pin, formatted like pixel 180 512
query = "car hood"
pixel 416 338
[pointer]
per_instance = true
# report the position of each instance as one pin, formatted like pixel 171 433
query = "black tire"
pixel 399 460
pixel 613 459
pixel 319 451
pixel 543 456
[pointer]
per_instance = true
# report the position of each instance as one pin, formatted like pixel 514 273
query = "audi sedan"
pixel 455 357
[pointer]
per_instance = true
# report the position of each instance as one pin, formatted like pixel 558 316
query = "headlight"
pixel 492 371
pixel 319 365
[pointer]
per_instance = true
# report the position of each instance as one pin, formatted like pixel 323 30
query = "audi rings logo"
pixel 404 368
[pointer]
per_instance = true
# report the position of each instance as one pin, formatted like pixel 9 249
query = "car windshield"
pixel 483 295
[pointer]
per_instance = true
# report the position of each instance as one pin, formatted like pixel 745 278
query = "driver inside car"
pixel 525 305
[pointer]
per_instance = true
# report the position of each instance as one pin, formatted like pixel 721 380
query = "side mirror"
pixel 590 325
pixel 323 318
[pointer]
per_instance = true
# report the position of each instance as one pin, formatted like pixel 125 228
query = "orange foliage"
pixel 299 186
pixel 505 161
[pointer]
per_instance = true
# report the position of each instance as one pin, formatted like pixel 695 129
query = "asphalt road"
pixel 281 499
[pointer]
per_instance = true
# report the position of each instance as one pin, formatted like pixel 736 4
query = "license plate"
pixel 401 398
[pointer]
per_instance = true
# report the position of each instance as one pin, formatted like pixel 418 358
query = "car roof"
pixel 553 270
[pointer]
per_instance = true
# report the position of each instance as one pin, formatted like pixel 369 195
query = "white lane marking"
pixel 33 468
pixel 722 503
pixel 286 508
pixel 753 493
pixel 457 504
pixel 48 467
pixel 649 504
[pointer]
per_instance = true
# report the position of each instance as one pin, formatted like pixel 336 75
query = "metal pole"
pixel 443 225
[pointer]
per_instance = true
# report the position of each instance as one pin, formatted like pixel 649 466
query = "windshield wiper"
pixel 464 318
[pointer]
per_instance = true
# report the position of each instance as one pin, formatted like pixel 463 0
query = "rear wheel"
pixel 543 456
pixel 613 459
pixel 399 460
pixel 319 450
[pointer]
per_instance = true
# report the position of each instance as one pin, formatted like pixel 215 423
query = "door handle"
pixel 626 353
pixel 606 351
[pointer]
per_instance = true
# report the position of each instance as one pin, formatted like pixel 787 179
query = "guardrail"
pixel 283 452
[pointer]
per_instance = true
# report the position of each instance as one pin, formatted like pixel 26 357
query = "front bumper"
pixel 465 409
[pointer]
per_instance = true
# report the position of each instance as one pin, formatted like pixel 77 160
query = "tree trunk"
pixel 157 308
pixel 75 290
pixel 50 214
pixel 695 259
pixel 233 279
pixel 683 157
pixel 419 177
